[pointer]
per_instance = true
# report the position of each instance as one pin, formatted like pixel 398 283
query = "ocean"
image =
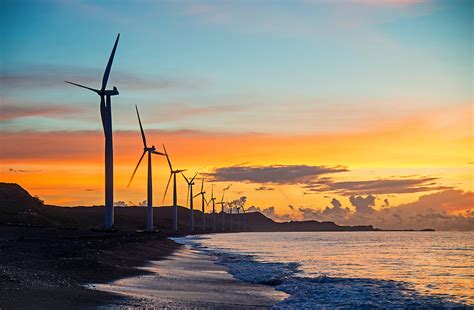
pixel 348 270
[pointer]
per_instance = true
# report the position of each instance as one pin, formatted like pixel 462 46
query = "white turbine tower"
pixel 213 199
pixel 222 203
pixel 175 197
pixel 149 150
pixel 190 197
pixel 106 116
pixel 203 200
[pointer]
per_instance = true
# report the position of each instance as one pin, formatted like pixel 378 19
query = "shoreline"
pixel 45 268
pixel 190 279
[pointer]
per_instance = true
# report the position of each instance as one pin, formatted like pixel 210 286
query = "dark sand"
pixel 46 268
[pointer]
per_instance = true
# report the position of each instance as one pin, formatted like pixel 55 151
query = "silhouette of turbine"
pixel 190 197
pixel 203 200
pixel 175 197
pixel 222 203
pixel 213 199
pixel 149 150
pixel 106 116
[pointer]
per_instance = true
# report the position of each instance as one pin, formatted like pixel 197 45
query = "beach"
pixel 44 268
pixel 188 279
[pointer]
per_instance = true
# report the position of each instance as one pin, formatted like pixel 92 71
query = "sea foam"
pixel 321 291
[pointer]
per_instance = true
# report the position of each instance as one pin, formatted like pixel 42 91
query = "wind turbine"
pixel 175 197
pixel 238 218
pixel 222 203
pixel 230 211
pixel 190 197
pixel 203 200
pixel 213 199
pixel 106 116
pixel 149 150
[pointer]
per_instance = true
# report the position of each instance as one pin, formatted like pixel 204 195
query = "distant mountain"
pixel 17 206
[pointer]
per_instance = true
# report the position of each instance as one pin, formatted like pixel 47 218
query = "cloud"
pixel 275 174
pixel 12 111
pixel 270 212
pixel 23 170
pixel 264 188
pixel 53 75
pixel 363 205
pixel 238 203
pixel 400 185
pixel 429 211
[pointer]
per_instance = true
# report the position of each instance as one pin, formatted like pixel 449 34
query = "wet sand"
pixel 188 279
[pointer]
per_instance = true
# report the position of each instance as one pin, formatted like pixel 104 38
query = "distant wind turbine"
pixel 175 197
pixel 106 116
pixel 203 200
pixel 149 150
pixel 222 203
pixel 213 199
pixel 190 197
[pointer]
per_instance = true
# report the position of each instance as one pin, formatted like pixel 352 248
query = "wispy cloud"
pixel 14 110
pixel 400 185
pixel 276 174
pixel 264 188
pixel 54 75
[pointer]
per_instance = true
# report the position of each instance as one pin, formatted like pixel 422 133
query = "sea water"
pixel 352 269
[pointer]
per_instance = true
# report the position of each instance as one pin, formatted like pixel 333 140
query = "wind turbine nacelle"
pixel 112 92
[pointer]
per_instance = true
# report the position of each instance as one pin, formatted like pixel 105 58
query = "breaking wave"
pixel 321 291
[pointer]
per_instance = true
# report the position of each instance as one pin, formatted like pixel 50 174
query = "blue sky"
pixel 241 60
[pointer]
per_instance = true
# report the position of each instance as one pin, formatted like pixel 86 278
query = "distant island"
pixel 18 207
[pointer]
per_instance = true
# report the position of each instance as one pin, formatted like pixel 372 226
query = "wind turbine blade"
pixel 157 153
pixel 79 85
pixel 202 185
pixel 105 78
pixel 212 191
pixel 102 111
pixel 134 171
pixel 141 128
pixel 167 185
pixel 167 158
pixel 196 195
pixel 194 176
pixel 187 181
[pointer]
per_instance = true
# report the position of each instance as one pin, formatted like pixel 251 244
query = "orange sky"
pixel 438 144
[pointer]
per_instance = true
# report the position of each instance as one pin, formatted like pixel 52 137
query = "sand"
pixel 188 279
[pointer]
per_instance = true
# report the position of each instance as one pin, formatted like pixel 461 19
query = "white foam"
pixel 320 292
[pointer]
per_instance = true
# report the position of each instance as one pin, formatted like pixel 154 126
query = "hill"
pixel 18 207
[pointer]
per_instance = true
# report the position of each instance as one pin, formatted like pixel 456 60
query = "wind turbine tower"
pixel 106 116
pixel 175 197
pixel 213 199
pixel 149 150
pixel 203 200
pixel 222 203
pixel 190 197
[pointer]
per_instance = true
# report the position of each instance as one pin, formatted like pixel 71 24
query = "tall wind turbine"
pixel 203 200
pixel 149 150
pixel 190 197
pixel 222 203
pixel 106 116
pixel 175 197
pixel 213 199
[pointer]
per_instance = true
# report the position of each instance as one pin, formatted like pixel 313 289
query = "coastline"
pixel 190 279
pixel 45 268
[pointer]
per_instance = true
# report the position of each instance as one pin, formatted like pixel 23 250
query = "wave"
pixel 321 291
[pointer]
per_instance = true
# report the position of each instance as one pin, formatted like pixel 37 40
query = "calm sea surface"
pixel 381 269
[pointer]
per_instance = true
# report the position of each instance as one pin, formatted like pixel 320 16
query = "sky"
pixel 354 111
